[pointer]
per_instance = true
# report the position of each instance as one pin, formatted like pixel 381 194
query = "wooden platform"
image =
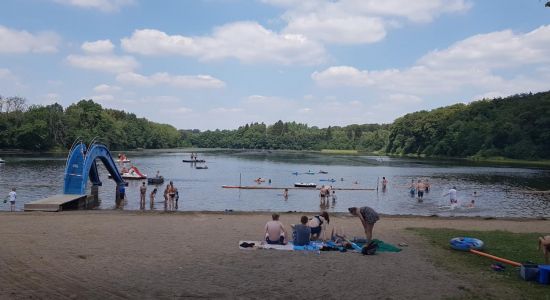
pixel 58 203
pixel 259 187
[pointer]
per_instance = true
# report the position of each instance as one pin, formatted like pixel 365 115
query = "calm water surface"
pixel 501 190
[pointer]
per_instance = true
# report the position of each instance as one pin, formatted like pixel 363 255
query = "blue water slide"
pixel 81 165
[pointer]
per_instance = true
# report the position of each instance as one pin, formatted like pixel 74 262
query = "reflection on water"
pixel 501 190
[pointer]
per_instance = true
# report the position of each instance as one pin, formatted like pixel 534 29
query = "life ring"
pixel 466 243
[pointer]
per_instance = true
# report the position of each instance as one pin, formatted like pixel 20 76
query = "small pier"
pixel 62 202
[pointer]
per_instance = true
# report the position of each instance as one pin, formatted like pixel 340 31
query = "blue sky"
pixel 222 63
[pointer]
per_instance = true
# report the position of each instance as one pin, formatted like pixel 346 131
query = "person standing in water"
pixel 142 193
pixel 384 184
pixel 412 188
pixel 12 196
pixel 420 187
pixel 285 194
pixel 152 198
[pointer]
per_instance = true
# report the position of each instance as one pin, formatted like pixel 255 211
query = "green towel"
pixel 385 247
pixel 382 246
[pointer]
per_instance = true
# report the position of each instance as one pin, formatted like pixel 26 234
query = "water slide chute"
pixel 81 165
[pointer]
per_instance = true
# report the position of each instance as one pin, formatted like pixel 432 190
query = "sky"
pixel 208 64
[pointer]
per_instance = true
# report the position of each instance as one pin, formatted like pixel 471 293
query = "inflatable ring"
pixel 466 243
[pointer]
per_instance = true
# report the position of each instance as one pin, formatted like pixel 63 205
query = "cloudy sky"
pixel 222 63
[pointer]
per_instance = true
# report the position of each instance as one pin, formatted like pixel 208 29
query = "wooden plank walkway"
pixel 55 203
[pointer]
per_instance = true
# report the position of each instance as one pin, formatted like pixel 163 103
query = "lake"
pixel 502 191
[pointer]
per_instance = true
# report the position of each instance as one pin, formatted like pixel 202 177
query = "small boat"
pixel 193 160
pixel 2 161
pixel 305 185
pixel 155 180
pixel 309 173
pixel 323 172
pixel 201 167
pixel 132 173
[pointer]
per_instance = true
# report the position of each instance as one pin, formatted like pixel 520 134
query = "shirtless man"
pixel 544 244
pixel 275 232
pixel 420 188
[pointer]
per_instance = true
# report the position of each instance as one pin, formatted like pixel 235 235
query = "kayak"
pixel 330 180
pixel 306 185
pixel 323 172
pixel 309 173
pixel 201 167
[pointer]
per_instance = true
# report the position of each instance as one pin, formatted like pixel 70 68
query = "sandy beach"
pixel 120 254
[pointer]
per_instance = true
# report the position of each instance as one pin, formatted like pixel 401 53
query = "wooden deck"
pixel 58 203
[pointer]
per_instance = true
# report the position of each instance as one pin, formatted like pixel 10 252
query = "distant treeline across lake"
pixel 515 127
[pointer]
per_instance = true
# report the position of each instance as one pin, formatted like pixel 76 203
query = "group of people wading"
pixel 171 196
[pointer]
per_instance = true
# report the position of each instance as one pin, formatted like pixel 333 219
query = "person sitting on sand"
pixel 301 232
pixel 318 224
pixel 544 244
pixel 275 232
pixel 368 217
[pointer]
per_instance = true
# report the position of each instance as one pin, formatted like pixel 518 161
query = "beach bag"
pixel 370 249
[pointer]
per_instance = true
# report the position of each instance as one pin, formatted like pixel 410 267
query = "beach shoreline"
pixel 133 254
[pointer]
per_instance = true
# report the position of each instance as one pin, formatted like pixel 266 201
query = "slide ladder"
pixel 81 165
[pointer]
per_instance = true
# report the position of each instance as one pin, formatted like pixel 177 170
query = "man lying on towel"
pixel 275 232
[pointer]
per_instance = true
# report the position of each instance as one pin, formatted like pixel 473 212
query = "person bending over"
pixel 301 232
pixel 368 217
pixel 275 231
pixel 318 224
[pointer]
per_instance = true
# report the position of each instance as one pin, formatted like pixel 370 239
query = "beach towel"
pixel 264 245
pixel 382 246
pixel 252 245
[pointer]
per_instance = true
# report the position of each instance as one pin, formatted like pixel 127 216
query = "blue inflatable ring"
pixel 466 243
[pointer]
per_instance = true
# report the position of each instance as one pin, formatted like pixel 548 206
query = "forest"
pixel 51 127
pixel 515 127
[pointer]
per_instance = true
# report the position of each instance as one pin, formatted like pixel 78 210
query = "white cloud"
pixel 178 110
pixel 103 63
pixel 473 63
pixel 501 49
pixel 6 73
pixel 248 42
pixel 225 110
pixel 343 30
pixel 100 46
pixel 105 88
pixel 102 5
pixel 103 97
pixel 20 41
pixel 178 81
pixel 359 21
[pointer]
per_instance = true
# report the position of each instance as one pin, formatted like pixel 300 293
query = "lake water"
pixel 501 190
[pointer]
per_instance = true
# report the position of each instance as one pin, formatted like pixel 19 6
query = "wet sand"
pixel 118 254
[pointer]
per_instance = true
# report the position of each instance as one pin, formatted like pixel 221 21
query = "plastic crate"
pixel 529 272
pixel 544 274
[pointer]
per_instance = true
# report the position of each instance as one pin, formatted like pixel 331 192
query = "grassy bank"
pixel 510 161
pixel 519 247
pixel 336 151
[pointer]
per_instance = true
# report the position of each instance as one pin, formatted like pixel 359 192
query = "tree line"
pixel 515 127
pixel 50 127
